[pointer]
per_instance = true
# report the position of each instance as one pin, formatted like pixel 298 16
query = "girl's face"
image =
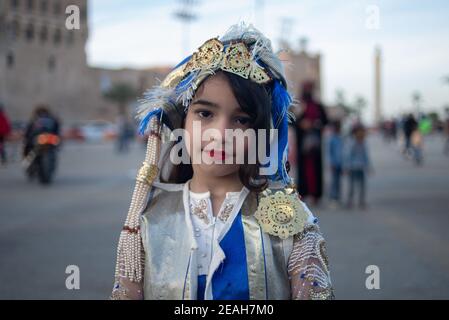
pixel 215 107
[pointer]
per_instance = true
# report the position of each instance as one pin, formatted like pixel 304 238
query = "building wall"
pixel 302 67
pixel 41 60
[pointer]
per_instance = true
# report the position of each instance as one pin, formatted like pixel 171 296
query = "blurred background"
pixel 369 149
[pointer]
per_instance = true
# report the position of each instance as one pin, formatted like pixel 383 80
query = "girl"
pixel 211 226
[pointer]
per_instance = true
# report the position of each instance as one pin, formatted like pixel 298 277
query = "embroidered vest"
pixel 256 269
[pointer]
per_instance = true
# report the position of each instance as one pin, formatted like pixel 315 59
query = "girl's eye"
pixel 243 120
pixel 204 114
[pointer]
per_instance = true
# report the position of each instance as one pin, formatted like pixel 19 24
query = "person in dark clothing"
pixel 446 132
pixel 310 124
pixel 42 121
pixel 5 129
pixel 410 125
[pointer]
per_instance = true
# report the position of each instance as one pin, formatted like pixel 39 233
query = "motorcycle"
pixel 42 159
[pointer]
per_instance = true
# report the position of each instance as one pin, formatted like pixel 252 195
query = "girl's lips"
pixel 217 154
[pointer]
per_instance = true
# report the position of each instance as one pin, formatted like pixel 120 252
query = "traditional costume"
pixel 260 246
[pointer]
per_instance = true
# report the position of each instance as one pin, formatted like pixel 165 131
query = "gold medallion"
pixel 281 213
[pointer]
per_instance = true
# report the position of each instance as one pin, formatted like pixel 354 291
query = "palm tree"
pixel 122 94
pixel 359 105
pixel 340 101
pixel 416 99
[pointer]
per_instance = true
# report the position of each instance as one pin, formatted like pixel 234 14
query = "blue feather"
pixel 146 120
pixel 281 173
pixel 281 100
pixel 185 83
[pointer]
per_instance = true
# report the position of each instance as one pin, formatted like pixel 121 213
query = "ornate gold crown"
pixel 212 55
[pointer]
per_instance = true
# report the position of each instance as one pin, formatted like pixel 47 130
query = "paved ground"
pixel 76 221
pixel 403 232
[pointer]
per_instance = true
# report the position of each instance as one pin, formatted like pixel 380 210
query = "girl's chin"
pixel 219 170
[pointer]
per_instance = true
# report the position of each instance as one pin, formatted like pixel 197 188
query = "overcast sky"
pixel 413 36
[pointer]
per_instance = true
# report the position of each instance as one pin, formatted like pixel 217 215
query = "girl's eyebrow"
pixel 206 103
pixel 215 105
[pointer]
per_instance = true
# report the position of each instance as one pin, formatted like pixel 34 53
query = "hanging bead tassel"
pixel 130 255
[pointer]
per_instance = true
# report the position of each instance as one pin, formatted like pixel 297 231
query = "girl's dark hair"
pixel 255 100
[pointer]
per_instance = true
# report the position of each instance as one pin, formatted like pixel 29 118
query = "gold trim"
pixel 147 173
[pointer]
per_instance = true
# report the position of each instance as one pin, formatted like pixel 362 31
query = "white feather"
pixel 154 98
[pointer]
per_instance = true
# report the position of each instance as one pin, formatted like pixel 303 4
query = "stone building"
pixel 43 62
pixel 302 67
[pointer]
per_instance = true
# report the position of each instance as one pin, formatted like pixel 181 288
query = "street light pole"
pixel 186 15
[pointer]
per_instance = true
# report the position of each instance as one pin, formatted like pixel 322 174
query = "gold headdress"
pixel 212 55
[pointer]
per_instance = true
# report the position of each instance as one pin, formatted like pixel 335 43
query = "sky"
pixel 412 34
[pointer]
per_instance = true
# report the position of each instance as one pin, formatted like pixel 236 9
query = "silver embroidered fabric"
pixel 308 266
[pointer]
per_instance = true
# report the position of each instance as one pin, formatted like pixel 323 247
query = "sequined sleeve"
pixel 125 289
pixel 308 266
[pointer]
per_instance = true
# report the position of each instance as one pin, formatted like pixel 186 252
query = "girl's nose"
pixel 221 126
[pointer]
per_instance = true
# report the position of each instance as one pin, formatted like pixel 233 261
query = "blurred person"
pixel 203 231
pixel 420 128
pixel 41 143
pixel 42 121
pixel 384 130
pixel 416 146
pixel 389 130
pixel 446 133
pixel 125 133
pixel 335 156
pixel 425 125
pixel 410 124
pixel 292 152
pixel 5 130
pixel 310 125
pixel 357 164
pixel 400 143
pixel 394 129
pixel 424 128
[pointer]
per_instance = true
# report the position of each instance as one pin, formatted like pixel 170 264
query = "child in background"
pixel 357 164
pixel 335 151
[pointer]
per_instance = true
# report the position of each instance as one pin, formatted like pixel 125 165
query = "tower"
pixel 377 85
